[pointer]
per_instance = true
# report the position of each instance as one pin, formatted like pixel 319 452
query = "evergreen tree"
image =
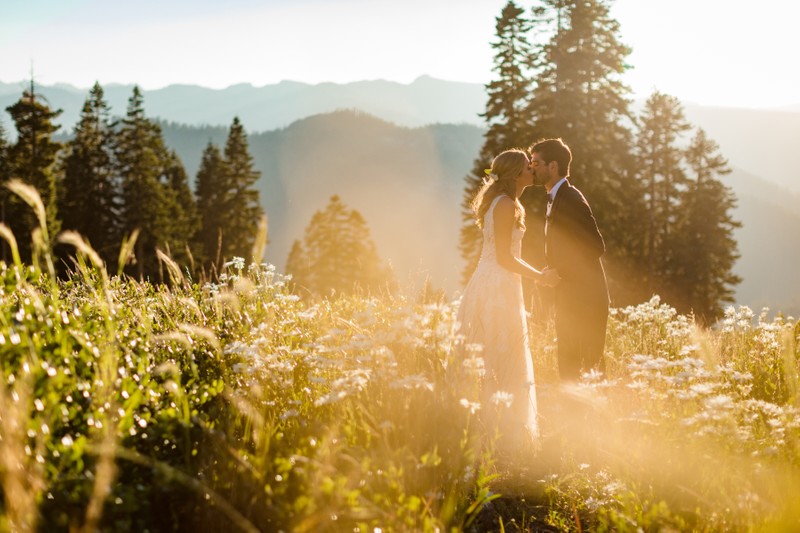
pixel 89 196
pixel 208 193
pixel 241 210
pixel 649 211
pixel 5 175
pixel 5 170
pixel 708 250
pixel 506 119
pixel 337 254
pixel 662 178
pixel 32 159
pixel 580 97
pixel 298 264
pixel 149 203
pixel 577 61
pixel 184 221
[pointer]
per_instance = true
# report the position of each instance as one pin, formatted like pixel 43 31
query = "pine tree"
pixel 184 221
pixel 505 116
pixel 5 175
pixel 5 170
pixel 581 98
pixel 662 178
pixel 337 254
pixel 241 210
pixel 143 164
pixel 707 248
pixel 208 193
pixel 3 145
pixel 89 195
pixel 32 159
pixel 640 192
pixel 298 264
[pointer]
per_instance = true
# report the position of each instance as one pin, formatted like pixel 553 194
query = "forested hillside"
pixel 397 176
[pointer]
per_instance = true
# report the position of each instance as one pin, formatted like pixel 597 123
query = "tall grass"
pixel 692 430
pixel 236 405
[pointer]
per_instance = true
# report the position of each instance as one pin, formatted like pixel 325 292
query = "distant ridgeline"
pixel 424 101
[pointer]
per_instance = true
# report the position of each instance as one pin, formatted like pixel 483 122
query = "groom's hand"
pixel 550 277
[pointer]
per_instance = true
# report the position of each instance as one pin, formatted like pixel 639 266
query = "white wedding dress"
pixel 492 314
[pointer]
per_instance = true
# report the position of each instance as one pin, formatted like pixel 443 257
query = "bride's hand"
pixel 550 277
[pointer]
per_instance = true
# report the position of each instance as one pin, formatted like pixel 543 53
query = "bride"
pixel 492 312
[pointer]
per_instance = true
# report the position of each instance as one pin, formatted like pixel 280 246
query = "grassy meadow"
pixel 237 405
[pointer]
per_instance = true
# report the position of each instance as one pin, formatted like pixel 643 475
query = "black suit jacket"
pixel 573 246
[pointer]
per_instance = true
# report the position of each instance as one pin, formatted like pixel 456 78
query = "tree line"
pixel 116 180
pixel 652 179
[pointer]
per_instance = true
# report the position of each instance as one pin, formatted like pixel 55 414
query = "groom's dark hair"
pixel 554 150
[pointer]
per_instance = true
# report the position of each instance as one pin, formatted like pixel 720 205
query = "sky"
pixel 713 52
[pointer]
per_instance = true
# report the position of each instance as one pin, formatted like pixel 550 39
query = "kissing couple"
pixel 492 311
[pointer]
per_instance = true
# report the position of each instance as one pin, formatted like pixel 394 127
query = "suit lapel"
pixel 550 217
pixel 559 196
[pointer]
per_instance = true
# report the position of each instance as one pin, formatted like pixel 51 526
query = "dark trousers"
pixel 581 332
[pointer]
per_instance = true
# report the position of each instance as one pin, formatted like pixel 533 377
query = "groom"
pixel 573 246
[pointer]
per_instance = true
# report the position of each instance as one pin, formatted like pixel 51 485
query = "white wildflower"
pixel 413 381
pixel 720 402
pixel 290 413
pixel 474 366
pixel 472 406
pixel 236 262
pixel 703 388
pixel 502 398
pixel 332 397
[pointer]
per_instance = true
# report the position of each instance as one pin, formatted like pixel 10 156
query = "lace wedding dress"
pixel 492 314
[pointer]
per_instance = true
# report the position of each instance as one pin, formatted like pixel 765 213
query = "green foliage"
pixel 208 194
pixel 89 195
pixel 31 159
pixel 508 124
pixel 580 97
pixel 185 220
pixel 709 250
pixel 687 250
pixel 559 74
pixel 241 207
pixel 337 255
pixel 128 406
pixel 238 405
pixel 695 430
pixel 659 161
pixel 227 200
pixel 154 185
pixel 5 172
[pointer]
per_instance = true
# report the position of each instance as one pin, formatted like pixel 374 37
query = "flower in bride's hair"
pixel 490 177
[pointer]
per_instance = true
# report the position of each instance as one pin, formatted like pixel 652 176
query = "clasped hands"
pixel 550 277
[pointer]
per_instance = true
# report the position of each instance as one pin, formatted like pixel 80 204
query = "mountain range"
pixel 424 101
pixel 399 153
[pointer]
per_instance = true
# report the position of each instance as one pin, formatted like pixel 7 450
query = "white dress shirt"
pixel 552 194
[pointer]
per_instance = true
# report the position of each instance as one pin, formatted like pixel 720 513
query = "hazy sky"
pixel 716 52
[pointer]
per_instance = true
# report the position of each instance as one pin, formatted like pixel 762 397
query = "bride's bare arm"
pixel 503 225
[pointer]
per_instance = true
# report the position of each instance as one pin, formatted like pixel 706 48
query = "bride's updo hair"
pixel 506 167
